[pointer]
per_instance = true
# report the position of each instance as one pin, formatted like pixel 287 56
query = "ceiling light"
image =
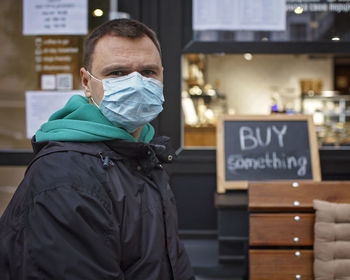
pixel 97 13
pixel 335 38
pixel 298 10
pixel 248 56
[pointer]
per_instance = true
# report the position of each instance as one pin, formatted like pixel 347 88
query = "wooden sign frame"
pixel 223 185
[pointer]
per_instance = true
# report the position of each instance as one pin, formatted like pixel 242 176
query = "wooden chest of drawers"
pixel 281 264
pixel 281 226
pixel 281 229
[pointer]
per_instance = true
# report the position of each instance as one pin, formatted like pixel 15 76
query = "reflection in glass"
pixel 216 84
pixel 308 22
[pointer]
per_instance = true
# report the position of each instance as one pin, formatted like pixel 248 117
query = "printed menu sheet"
pixel 40 105
pixel 58 17
pixel 265 15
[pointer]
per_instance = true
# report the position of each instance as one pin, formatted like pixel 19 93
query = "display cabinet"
pixel 331 114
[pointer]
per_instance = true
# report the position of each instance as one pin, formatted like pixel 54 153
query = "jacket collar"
pixel 159 146
pixel 148 156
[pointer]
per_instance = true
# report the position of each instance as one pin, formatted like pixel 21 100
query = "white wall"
pixel 248 84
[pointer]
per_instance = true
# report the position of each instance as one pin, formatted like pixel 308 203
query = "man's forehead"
pixel 126 43
pixel 125 50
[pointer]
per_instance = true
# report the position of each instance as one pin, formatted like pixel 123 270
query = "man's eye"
pixel 117 73
pixel 148 73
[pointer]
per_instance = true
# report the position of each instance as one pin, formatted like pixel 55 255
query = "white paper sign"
pixel 40 105
pixel 48 82
pixel 257 15
pixel 55 17
pixel 64 81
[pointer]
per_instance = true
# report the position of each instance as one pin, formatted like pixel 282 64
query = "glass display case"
pixel 246 84
pixel 202 102
pixel 331 114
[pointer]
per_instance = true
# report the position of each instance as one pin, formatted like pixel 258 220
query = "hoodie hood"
pixel 81 121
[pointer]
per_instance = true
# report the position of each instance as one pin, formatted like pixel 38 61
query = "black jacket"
pixel 93 211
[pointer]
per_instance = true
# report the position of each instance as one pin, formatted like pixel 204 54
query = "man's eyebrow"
pixel 115 67
pixel 150 66
pixel 120 67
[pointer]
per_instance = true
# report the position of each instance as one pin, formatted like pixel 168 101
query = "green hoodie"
pixel 80 121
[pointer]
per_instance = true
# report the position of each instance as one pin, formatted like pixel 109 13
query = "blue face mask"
pixel 131 101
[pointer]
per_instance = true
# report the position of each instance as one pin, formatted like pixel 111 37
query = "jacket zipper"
pixel 106 162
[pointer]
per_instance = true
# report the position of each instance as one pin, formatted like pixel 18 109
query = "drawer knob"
pixel 296 203
pixel 295 184
pixel 297 218
pixel 296 239
pixel 298 276
pixel 297 254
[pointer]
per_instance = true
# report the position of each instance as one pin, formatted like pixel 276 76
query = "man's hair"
pixel 128 28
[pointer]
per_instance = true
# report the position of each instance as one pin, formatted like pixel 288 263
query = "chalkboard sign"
pixel 261 148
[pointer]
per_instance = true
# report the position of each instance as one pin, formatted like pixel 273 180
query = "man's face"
pixel 118 56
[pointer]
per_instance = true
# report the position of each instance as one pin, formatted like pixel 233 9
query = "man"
pixel 95 202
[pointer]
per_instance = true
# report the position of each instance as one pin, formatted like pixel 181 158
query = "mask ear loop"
pixel 91 98
pixel 92 76
pixel 93 101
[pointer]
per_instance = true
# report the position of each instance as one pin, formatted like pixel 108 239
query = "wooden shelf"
pixel 200 136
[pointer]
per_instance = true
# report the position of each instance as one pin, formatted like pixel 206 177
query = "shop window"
pixel 16 76
pixel 35 63
pixel 241 84
pixel 305 20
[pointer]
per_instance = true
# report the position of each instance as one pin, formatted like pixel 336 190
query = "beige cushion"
pixel 332 241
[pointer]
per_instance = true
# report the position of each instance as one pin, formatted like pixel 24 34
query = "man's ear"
pixel 85 78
